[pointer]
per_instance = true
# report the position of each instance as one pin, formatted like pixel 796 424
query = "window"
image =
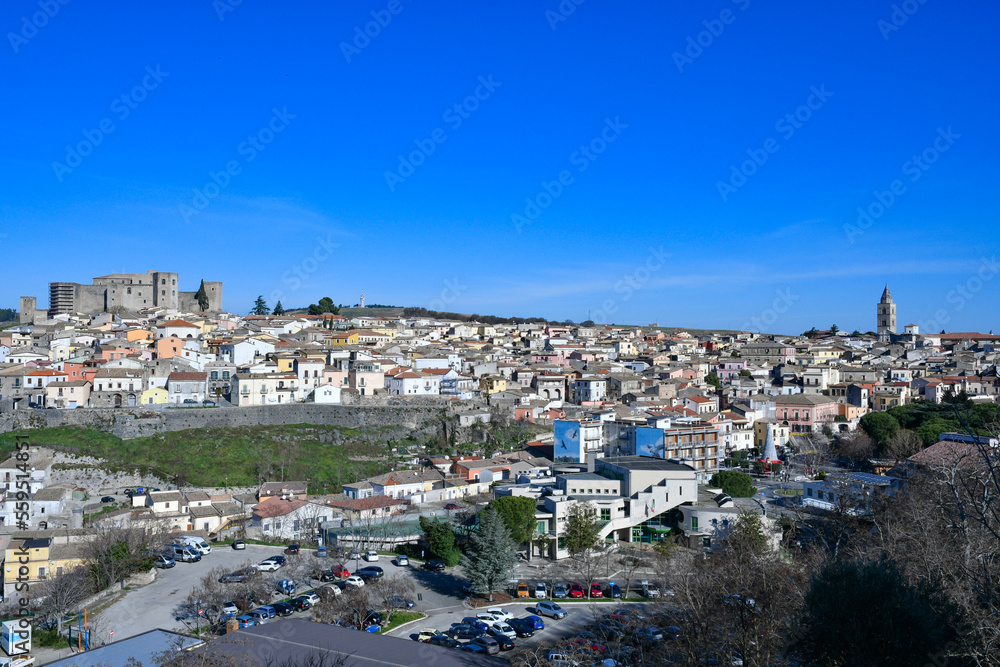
pixel 605 514
pixel 215 375
pixel 694 523
pixel 540 527
pixel 225 375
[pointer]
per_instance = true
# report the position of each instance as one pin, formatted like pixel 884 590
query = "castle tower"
pixel 27 311
pixel 886 317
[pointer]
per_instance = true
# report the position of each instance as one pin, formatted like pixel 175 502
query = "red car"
pixel 587 645
pixel 340 571
pixel 451 506
pixel 576 590
pixel 595 590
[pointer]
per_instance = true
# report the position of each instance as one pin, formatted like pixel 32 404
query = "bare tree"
pixel 388 592
pixel 114 554
pixel 903 444
pixel 59 595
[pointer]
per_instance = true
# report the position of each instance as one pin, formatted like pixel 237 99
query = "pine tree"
pixel 278 309
pixel 202 296
pixel 491 555
pixel 260 306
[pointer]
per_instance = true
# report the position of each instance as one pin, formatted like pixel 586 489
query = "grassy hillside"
pixel 328 456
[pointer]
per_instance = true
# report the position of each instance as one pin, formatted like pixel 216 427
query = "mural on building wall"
pixel 567 442
pixel 650 442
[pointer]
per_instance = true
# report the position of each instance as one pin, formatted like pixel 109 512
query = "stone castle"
pixel 118 292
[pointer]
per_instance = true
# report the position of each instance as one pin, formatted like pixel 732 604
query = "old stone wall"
pixel 139 422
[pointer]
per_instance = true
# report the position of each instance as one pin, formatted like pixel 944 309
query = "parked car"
pixel 300 603
pixel 246 621
pixel 541 591
pixel 522 590
pixel 185 554
pixel 340 571
pixel 488 643
pixel 425 634
pixel 399 602
pixel 434 565
pixel 259 616
pixel 471 648
pixel 325 575
pixel 650 590
pixel 614 591
pixel 649 635
pixel 595 590
pixel 462 631
pixel 268 566
pixel 285 586
pixel 546 608
pixel 371 556
pixel 522 627
pixel 354 581
pixel 536 622
pixel 444 640
pixel 271 611
pixel 163 562
pixel 283 608
pixel 501 629
pixel 557 659
pixel 329 591
pixel 500 613
pixel 311 597
pixel 108 499
pixel 369 573
pixel 229 608
pixel 238 577
pixel 402 560
pixel 451 506
pixel 576 590
pixel 559 591
pixel 478 623
pixel 239 545
pixel 292 549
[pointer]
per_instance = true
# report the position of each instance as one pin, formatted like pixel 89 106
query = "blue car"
pixel 536 622
pixel 246 621
pixel 476 623
pixel 271 611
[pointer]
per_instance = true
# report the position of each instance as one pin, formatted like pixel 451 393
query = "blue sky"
pixel 647 111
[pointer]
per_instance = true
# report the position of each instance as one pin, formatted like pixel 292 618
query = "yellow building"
pixel 155 396
pixel 344 338
pixel 492 384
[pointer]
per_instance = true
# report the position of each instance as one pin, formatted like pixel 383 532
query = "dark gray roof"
pixel 145 649
pixel 643 463
pixel 298 640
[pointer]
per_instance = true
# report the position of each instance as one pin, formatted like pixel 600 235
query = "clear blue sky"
pixel 444 236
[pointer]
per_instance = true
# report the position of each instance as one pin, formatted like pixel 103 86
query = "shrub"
pixel 734 483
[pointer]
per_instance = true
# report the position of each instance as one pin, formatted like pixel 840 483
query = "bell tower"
pixel 886 317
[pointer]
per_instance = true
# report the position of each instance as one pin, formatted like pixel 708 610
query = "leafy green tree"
pixel 867 613
pixel 834 329
pixel 491 554
pixel 278 309
pixel 713 379
pixel 325 305
pixel 745 373
pixel 202 296
pixel 880 427
pixel 260 306
pixel 518 514
pixel 440 538
pixel 734 483
pixel 747 533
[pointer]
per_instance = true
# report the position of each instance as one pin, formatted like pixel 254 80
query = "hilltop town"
pixel 657 433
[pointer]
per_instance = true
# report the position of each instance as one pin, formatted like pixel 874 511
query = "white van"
pixel 197 543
